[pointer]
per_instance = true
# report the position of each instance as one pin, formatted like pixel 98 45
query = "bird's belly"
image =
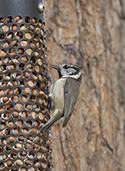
pixel 58 92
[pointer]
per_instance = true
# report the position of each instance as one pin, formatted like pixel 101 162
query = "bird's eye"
pixel 66 67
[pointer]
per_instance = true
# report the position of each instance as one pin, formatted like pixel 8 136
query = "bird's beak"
pixel 56 67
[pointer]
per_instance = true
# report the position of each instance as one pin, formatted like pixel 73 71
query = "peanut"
pixel 27 90
pixel 29 51
pixel 28 35
pixel 5 28
pixel 10 123
pixel 12 139
pixel 9 163
pixel 14 28
pixel 23 98
pixel 6 44
pixel 19 106
pixel 25 59
pixel 5 99
pixel 23 28
pixel 19 162
pixel 24 43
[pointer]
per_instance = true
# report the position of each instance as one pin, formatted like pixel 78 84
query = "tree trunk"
pixel 90 34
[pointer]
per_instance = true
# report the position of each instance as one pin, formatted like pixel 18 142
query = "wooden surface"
pixel 92 35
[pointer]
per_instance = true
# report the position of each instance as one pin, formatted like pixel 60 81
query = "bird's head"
pixel 69 70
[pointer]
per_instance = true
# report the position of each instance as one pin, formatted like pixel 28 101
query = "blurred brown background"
pixel 91 34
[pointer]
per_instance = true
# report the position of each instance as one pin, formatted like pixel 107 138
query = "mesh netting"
pixel 23 95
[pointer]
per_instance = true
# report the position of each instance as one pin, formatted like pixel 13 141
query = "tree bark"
pixel 90 34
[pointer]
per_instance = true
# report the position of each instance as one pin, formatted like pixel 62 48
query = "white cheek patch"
pixel 63 72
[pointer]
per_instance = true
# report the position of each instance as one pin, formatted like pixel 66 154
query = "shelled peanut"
pixel 19 162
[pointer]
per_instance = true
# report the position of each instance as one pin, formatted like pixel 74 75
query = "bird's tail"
pixel 48 125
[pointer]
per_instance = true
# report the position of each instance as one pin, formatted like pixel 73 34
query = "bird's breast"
pixel 58 92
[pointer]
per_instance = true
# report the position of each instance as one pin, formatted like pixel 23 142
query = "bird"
pixel 64 94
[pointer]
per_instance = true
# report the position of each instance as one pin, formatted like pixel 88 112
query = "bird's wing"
pixel 71 92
